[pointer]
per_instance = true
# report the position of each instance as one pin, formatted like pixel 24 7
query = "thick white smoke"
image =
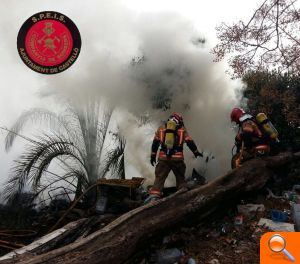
pixel 168 71
pixel 175 71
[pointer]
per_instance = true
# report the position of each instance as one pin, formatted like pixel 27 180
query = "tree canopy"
pixel 268 40
pixel 277 95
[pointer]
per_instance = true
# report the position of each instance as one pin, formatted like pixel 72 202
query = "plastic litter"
pixel 296 216
pixel 276 226
pixel 214 261
pixel 151 198
pixel 250 210
pixel 272 195
pixel 168 256
pixel 279 216
pixel 238 220
pixel 291 196
pixel 101 204
pixel 191 261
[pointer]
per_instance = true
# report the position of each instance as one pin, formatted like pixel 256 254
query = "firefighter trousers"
pixel 163 169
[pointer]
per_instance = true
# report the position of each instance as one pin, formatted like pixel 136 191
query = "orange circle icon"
pixel 279 247
pixel 277 243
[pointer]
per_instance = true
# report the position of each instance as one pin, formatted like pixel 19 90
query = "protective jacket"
pixel 181 137
pixel 250 134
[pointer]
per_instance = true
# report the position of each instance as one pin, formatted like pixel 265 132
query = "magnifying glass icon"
pixel 277 244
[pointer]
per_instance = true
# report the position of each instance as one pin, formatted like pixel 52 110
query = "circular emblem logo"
pixel 49 42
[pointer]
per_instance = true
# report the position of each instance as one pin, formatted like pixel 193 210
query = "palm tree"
pixel 115 159
pixel 76 145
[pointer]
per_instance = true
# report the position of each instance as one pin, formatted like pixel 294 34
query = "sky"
pixel 205 15
pixel 106 27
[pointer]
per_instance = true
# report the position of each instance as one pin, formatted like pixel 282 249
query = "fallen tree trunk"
pixel 117 241
pixel 49 241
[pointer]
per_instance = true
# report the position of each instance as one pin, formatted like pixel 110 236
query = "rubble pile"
pixel 219 222
pixel 233 238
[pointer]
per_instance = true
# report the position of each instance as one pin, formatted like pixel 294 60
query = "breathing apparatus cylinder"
pixel 170 136
pixel 267 126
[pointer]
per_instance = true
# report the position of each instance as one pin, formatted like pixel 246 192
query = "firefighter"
pixel 254 136
pixel 170 139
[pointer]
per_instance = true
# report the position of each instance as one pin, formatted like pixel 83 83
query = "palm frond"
pixel 76 146
pixel 32 164
pixel 115 159
pixel 74 174
pixel 34 115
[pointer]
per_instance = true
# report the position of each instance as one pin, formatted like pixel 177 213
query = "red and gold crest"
pixel 49 42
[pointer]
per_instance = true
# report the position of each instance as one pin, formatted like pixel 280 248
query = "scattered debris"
pixel 250 210
pixel 168 256
pixel 238 220
pixel 291 196
pixel 296 216
pixel 46 241
pixel 276 226
pixel 227 237
pixel 167 239
pixel 101 204
pixel 196 179
pixel 279 216
pixel 214 261
pixel 191 261
pixel 272 195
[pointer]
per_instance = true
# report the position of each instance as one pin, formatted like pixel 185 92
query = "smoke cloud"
pixel 166 71
pixel 147 64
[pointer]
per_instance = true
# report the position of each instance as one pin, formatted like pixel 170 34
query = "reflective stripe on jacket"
pixel 181 137
pixel 251 134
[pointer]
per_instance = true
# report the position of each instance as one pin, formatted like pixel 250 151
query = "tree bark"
pixel 116 242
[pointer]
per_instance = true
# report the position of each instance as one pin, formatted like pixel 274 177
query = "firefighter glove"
pixel 153 160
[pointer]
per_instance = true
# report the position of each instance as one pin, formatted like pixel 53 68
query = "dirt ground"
pixel 222 241
pixel 217 241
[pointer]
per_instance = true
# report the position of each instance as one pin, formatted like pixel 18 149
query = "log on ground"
pixel 116 242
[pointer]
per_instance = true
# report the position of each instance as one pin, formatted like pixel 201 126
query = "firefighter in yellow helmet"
pixel 170 139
